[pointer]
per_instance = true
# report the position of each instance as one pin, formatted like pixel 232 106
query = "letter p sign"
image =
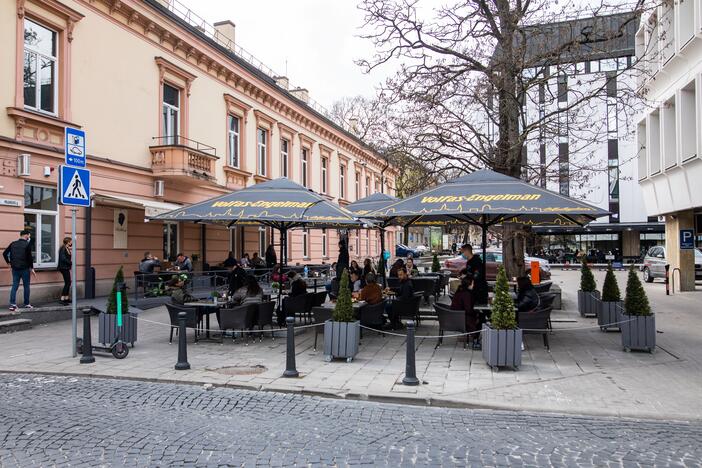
pixel 687 239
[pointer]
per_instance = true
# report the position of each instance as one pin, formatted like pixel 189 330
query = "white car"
pixel 421 248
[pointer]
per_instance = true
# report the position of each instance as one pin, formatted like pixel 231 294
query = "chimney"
pixel 353 125
pixel 282 81
pixel 224 33
pixel 302 94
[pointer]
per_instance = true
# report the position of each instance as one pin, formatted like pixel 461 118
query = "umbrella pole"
pixel 484 227
pixel 381 263
pixel 283 244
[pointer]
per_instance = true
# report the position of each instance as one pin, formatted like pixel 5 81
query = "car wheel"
pixel 647 275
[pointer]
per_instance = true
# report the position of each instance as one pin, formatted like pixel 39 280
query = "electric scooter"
pixel 118 348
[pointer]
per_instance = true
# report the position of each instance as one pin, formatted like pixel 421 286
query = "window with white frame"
pixel 262 139
pixel 342 181
pixel 40 68
pixel 233 240
pixel 357 183
pixel 262 241
pixel 325 253
pixel 233 130
pixel 367 241
pixel 305 153
pixel 171 114
pixel 358 242
pixel 41 218
pixel 170 241
pixel 368 185
pixel 305 243
pixel 325 162
pixel 284 157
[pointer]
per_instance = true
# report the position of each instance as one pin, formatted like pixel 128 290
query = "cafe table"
pixel 205 308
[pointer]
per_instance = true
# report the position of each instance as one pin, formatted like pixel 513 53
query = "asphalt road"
pixel 47 421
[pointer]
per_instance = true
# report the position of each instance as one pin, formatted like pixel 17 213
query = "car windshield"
pixel 698 253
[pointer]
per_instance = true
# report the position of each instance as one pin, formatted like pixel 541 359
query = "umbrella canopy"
pixel 280 204
pixel 371 203
pixel 487 198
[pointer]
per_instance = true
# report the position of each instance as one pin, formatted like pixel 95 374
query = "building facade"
pixel 668 136
pixel 586 148
pixel 173 114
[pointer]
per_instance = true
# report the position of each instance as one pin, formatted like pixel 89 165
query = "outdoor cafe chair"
pixel 406 308
pixel 319 298
pixel 535 322
pixel 320 315
pixel 425 285
pixel 310 299
pixel 450 320
pixel 292 307
pixel 237 318
pixel 545 302
pixel 191 318
pixel 265 317
pixel 371 316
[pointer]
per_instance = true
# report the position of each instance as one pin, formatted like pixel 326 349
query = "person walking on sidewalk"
pixel 19 256
pixel 65 262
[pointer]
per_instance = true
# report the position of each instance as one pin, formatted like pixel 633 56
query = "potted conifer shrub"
pixel 588 295
pixel 611 304
pixel 342 333
pixel 435 265
pixel 107 320
pixel 638 323
pixel 502 340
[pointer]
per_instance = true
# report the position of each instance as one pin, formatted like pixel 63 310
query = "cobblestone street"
pixel 47 421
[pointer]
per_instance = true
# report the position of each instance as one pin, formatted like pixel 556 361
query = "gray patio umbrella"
pixel 361 208
pixel 281 204
pixel 486 198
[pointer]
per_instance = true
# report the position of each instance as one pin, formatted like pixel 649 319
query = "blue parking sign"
pixel 75 147
pixel 75 186
pixel 687 239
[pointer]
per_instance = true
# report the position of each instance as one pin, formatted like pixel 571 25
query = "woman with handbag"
pixel 65 262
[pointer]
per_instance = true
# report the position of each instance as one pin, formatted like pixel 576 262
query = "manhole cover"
pixel 240 370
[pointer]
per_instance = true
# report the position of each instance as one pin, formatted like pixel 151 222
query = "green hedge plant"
pixel 636 302
pixel 503 316
pixel 610 288
pixel 343 311
pixel 587 279
pixel 435 265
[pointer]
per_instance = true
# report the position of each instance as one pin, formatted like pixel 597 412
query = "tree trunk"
pixel 513 249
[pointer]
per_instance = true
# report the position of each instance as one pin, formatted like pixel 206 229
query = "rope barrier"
pixel 238 331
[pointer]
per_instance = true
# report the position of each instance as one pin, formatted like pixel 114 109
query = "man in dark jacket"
pixel 527 297
pixel 474 266
pixel 237 278
pixel 342 263
pixel 403 293
pixel 19 256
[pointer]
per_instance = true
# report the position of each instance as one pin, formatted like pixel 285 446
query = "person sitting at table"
pixel 237 278
pixel 148 263
pixel 298 286
pixel 355 281
pixel 257 262
pixel 230 261
pixel 367 268
pixel 251 293
pixel 411 268
pixel 463 300
pixel 179 295
pixel 245 262
pixel 183 263
pixel 277 275
pixel 371 292
pixel 403 293
pixel 527 297
pixel 399 263
pixel 355 268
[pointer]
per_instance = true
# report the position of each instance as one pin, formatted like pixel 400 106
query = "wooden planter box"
pixel 107 328
pixel 588 303
pixel 341 339
pixel 610 312
pixel 502 348
pixel 639 334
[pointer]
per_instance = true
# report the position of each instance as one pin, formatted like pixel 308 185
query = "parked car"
pixel 494 259
pixel 402 251
pixel 422 249
pixel 655 260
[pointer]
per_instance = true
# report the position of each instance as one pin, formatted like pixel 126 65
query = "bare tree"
pixel 481 82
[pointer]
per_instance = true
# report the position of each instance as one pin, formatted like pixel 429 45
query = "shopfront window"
pixel 170 241
pixel 41 218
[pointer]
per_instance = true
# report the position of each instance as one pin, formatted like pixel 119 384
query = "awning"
pixel 151 207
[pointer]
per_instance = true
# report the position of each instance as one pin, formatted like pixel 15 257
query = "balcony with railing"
pixel 181 158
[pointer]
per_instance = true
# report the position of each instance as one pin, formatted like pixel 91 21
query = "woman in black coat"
pixel 65 262
pixel 271 257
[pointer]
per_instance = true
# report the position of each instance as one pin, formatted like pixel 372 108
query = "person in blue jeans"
pixel 19 256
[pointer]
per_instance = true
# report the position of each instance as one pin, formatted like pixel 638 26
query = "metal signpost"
pixel 74 190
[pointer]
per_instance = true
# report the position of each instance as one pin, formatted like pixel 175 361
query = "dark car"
pixel 402 251
pixel 654 263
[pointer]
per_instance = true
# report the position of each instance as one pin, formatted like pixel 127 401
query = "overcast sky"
pixel 317 38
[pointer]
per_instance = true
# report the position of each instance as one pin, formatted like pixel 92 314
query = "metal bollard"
pixel 410 367
pixel 182 363
pixel 667 279
pixel 87 357
pixel 290 370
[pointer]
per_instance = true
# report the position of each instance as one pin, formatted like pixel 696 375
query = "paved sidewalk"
pixel 586 371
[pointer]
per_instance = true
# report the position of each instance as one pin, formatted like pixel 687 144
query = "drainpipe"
pixel 89 273
pixel 382 176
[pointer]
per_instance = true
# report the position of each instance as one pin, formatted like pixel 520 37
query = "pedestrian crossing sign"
pixel 75 186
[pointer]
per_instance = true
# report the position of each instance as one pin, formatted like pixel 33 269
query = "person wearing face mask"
pixel 474 267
